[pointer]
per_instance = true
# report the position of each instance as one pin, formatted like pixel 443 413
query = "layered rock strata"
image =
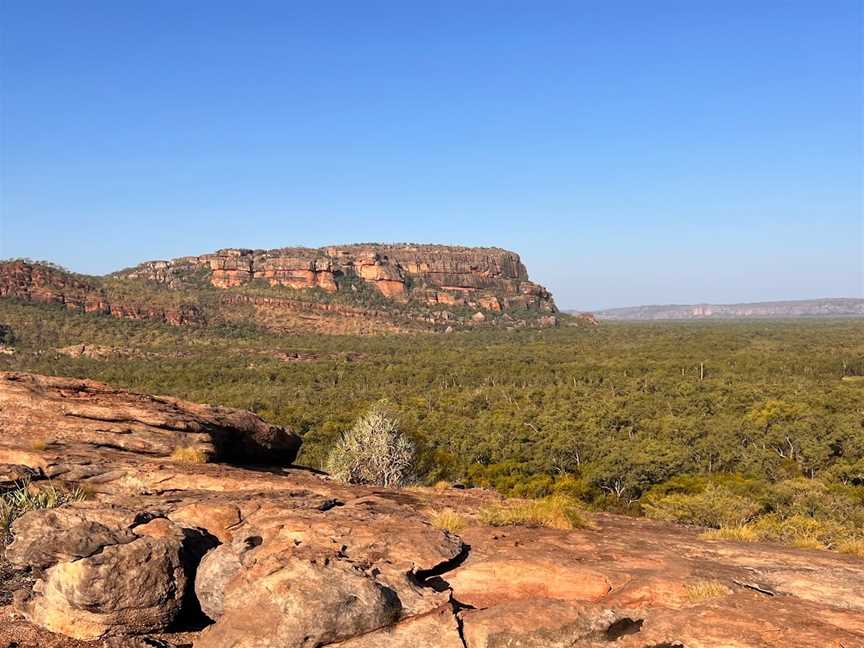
pixel 488 278
pixel 391 287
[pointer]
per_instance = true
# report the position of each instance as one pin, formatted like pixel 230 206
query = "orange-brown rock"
pixel 496 279
pixel 295 560
pixel 422 286
pixel 128 584
pixel 51 285
pixel 46 284
pixel 63 411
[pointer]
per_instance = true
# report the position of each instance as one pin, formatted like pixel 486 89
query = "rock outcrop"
pixel 488 278
pixel 104 578
pixel 338 289
pixel 215 555
pixel 63 412
pixel 47 284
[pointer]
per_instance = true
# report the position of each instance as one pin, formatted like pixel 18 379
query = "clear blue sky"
pixel 633 152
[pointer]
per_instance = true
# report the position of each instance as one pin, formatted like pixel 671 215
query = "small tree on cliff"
pixel 374 451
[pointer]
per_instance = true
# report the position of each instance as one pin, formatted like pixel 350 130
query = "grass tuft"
pixel 442 485
pixel 449 520
pixel 854 547
pixel 705 589
pixel 799 531
pixel 29 497
pixel 189 455
pixel 554 512
pixel 736 533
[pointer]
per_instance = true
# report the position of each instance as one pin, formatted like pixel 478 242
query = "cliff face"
pixel 488 278
pixel 339 289
pixel 49 285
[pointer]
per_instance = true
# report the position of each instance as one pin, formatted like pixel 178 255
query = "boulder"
pixel 97 581
pixel 42 539
pixel 359 567
pixel 74 411
pixel 308 600
pixel 544 623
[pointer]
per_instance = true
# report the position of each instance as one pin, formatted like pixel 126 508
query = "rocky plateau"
pixel 248 550
pixel 338 289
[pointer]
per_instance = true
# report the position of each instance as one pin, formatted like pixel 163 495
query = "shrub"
pixel 533 487
pixel 7 335
pixel 854 547
pixel 715 507
pixel 189 455
pixel 572 487
pixel 555 511
pixel 449 520
pixel 27 497
pixel 848 471
pixel 799 531
pixel 374 451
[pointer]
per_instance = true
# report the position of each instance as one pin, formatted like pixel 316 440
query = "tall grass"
pixel 448 519
pixel 554 511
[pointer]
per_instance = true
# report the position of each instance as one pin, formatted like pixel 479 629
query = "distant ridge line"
pixel 826 307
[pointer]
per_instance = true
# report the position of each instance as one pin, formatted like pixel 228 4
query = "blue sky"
pixel 632 152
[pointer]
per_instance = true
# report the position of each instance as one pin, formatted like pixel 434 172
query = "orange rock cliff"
pixel 428 285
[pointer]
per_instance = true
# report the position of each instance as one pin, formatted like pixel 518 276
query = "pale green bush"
pixel 374 451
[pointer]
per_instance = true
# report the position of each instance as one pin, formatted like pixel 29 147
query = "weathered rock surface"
pixel 13 475
pixel 287 558
pixel 62 411
pixel 124 582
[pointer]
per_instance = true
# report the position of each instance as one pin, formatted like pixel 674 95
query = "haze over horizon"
pixel 631 154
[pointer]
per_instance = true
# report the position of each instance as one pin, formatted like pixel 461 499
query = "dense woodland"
pixel 762 416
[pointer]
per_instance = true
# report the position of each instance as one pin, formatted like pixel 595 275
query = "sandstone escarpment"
pixel 286 558
pixel 339 289
pixel 46 284
pixel 41 283
pixel 486 278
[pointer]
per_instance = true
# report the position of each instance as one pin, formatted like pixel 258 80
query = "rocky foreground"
pixel 247 551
